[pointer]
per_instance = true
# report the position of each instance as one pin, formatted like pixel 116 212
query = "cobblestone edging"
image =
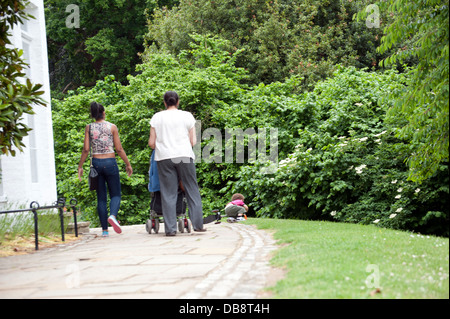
pixel 243 274
pixel 227 261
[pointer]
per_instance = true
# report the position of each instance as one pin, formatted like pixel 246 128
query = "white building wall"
pixel 30 176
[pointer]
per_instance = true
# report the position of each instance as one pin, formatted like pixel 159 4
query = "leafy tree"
pixel 279 38
pixel 107 42
pixel 16 98
pixel 422 108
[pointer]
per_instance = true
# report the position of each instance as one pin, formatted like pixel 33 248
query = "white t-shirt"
pixel 172 134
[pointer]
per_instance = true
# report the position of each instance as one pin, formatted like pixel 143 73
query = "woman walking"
pixel 172 136
pixel 103 137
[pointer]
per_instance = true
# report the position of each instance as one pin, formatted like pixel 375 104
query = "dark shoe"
pixel 200 230
pixel 171 234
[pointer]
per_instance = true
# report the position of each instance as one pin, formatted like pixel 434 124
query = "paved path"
pixel 227 261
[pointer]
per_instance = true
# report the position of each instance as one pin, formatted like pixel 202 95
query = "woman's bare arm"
pixel 152 138
pixel 119 149
pixel 84 152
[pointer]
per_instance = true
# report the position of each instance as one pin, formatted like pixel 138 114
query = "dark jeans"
pixel 108 172
pixel 170 172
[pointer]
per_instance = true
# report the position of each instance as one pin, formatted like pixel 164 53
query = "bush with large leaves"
pixel 346 163
pixel 204 84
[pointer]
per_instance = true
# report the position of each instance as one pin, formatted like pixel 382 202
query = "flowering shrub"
pixel 347 165
pixel 338 158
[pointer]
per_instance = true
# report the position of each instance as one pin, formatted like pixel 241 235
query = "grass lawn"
pixel 337 260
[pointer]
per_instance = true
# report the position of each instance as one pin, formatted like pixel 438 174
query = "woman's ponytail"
pixel 97 111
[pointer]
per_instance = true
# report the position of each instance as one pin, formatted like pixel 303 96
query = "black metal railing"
pixel 59 204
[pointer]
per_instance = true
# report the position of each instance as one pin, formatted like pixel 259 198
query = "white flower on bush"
pixel 363 139
pixel 398 196
pixel 290 160
pixel 399 210
pixel 379 134
pixel 286 161
pixel 392 215
pixel 360 168
pixel 417 190
pixel 333 213
pixel 400 190
pixel 394 181
pixel 376 221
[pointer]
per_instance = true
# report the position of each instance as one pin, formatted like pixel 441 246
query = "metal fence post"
pixel 73 204
pixel 34 207
pixel 61 203
pixel 36 233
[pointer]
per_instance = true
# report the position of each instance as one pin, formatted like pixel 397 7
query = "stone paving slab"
pixel 227 261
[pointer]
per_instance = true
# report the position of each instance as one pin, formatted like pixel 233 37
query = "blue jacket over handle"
pixel 153 184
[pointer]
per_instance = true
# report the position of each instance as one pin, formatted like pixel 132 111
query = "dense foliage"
pixel 131 108
pixel 279 37
pixel 424 102
pixel 339 159
pixel 107 41
pixel 346 164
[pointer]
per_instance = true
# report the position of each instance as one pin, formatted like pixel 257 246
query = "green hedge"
pixel 339 159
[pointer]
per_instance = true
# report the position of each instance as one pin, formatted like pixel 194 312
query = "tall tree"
pixel 422 108
pixel 279 37
pixel 106 40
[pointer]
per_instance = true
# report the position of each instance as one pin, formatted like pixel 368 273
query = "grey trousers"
pixel 234 210
pixel 170 172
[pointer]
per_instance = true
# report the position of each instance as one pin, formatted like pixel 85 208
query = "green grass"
pixel 22 224
pixel 337 260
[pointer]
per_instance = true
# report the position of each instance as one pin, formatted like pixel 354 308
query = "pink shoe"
pixel 115 224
